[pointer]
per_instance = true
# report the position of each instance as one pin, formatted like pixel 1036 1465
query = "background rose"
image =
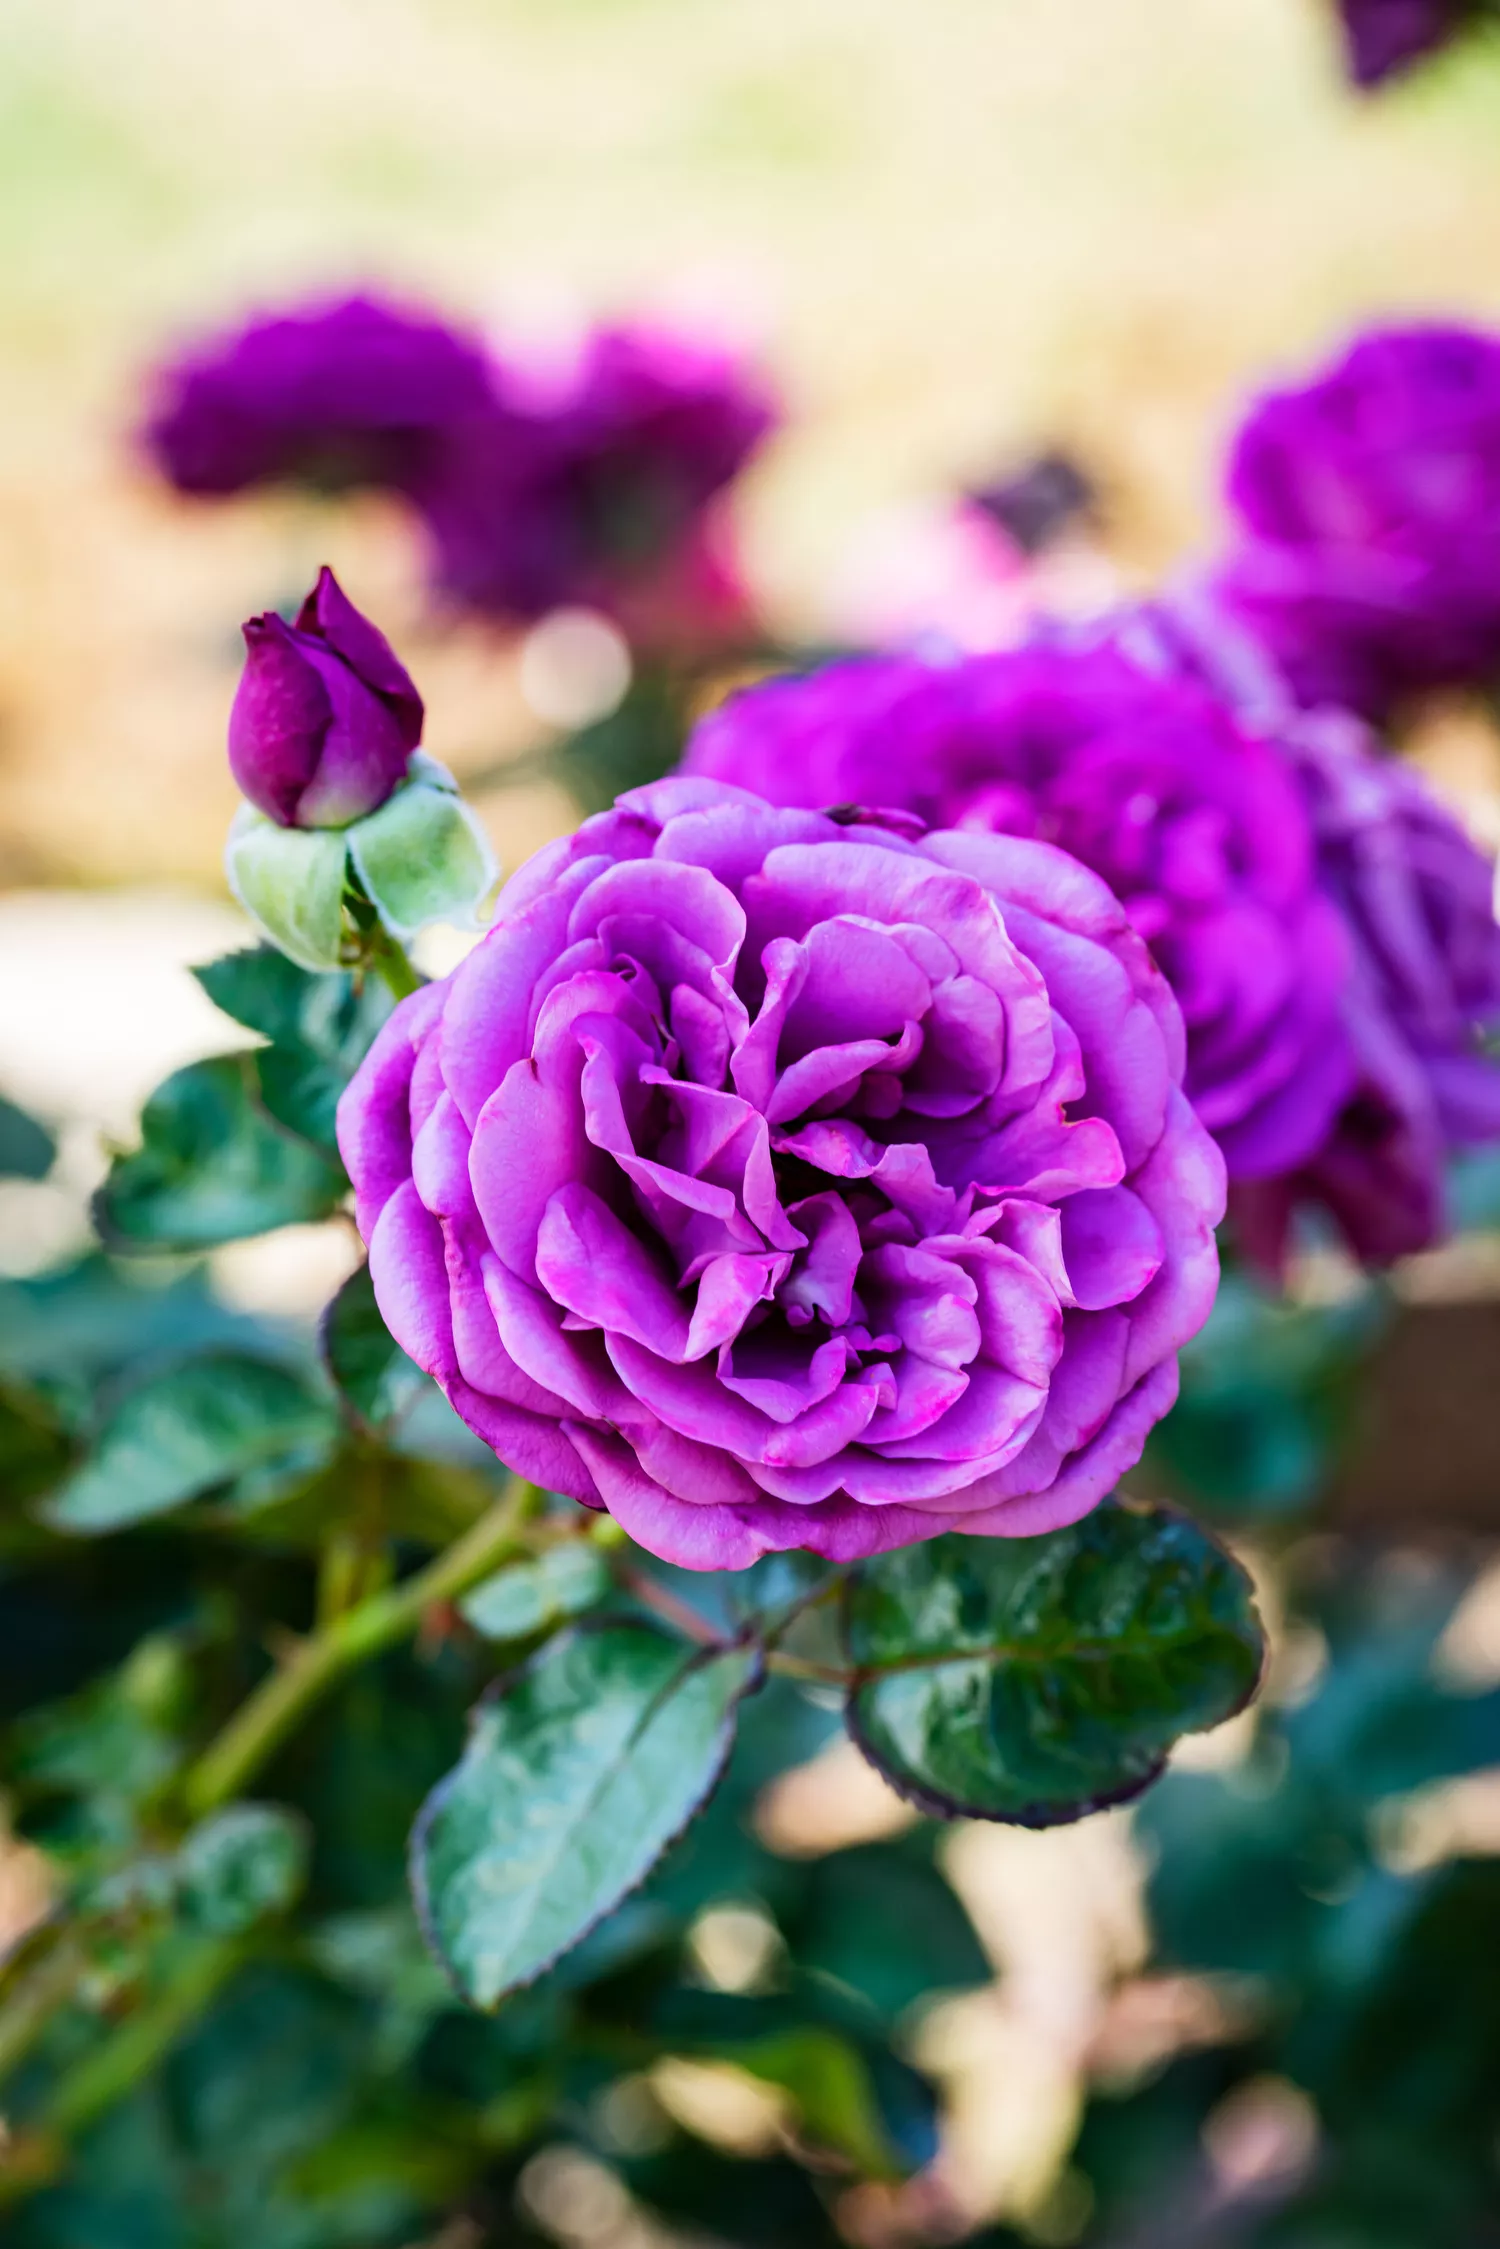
pixel 1370 505
pixel 1382 38
pixel 587 487
pixel 781 1183
pixel 346 393
pixel 1417 899
pixel 1194 822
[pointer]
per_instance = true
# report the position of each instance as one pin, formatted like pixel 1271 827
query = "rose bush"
pixel 1369 503
pixel 779 1182
pixel 1195 823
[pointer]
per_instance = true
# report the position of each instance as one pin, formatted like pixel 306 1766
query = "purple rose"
pixel 1370 502
pixel 1382 38
pixel 1418 900
pixel 1196 825
pixel 587 491
pixel 775 1181
pixel 353 392
pixel 325 718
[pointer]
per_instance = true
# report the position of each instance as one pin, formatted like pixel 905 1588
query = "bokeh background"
pixel 957 230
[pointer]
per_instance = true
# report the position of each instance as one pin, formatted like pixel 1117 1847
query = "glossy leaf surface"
pixel 1034 1680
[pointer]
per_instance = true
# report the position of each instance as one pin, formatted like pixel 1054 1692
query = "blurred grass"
pixel 972 225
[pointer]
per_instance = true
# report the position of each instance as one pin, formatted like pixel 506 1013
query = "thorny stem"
pixel 279 1704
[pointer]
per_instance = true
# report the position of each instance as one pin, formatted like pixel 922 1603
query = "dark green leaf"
pixel 212 1167
pixel 529 1597
pixel 192 1430
pixel 262 989
pixel 1033 1680
pixel 319 1028
pixel 838 1923
pixel 240 1866
pixel 34 1446
pixel 830 2087
pixel 369 1369
pixel 26 1148
pixel 577 1776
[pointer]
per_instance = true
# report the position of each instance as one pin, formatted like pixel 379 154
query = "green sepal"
pixel 424 856
pixel 290 882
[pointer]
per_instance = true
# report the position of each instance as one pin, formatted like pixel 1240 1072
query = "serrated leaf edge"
pixel 496 1691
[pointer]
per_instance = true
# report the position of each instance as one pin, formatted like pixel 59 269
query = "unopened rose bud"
pixel 326 718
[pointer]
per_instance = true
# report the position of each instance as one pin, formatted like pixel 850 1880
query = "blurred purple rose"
pixel 1382 38
pixel 1423 997
pixel 352 392
pixel 779 1181
pixel 587 490
pixel 325 718
pixel 1370 506
pixel 1195 824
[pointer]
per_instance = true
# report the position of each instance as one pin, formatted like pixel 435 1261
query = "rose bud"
pixel 326 718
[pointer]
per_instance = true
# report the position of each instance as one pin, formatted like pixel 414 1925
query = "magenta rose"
pixel 1421 1008
pixel 1196 825
pixel 356 391
pixel 1368 506
pixel 1384 38
pixel 779 1181
pixel 597 488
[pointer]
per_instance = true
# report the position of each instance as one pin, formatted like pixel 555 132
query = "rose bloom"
pixel 1422 1005
pixel 1197 825
pixel 592 487
pixel 355 391
pixel 1369 506
pixel 776 1180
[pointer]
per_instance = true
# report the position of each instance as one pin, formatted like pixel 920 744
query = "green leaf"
pixel 831 2087
pixel 34 1446
pixel 212 1167
pixel 1033 1680
pixel 320 1028
pixel 589 1762
pixel 290 882
pixel 530 1597
pixel 423 857
pixel 241 1866
pixel 26 1148
pixel 192 1430
pixel 370 1371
